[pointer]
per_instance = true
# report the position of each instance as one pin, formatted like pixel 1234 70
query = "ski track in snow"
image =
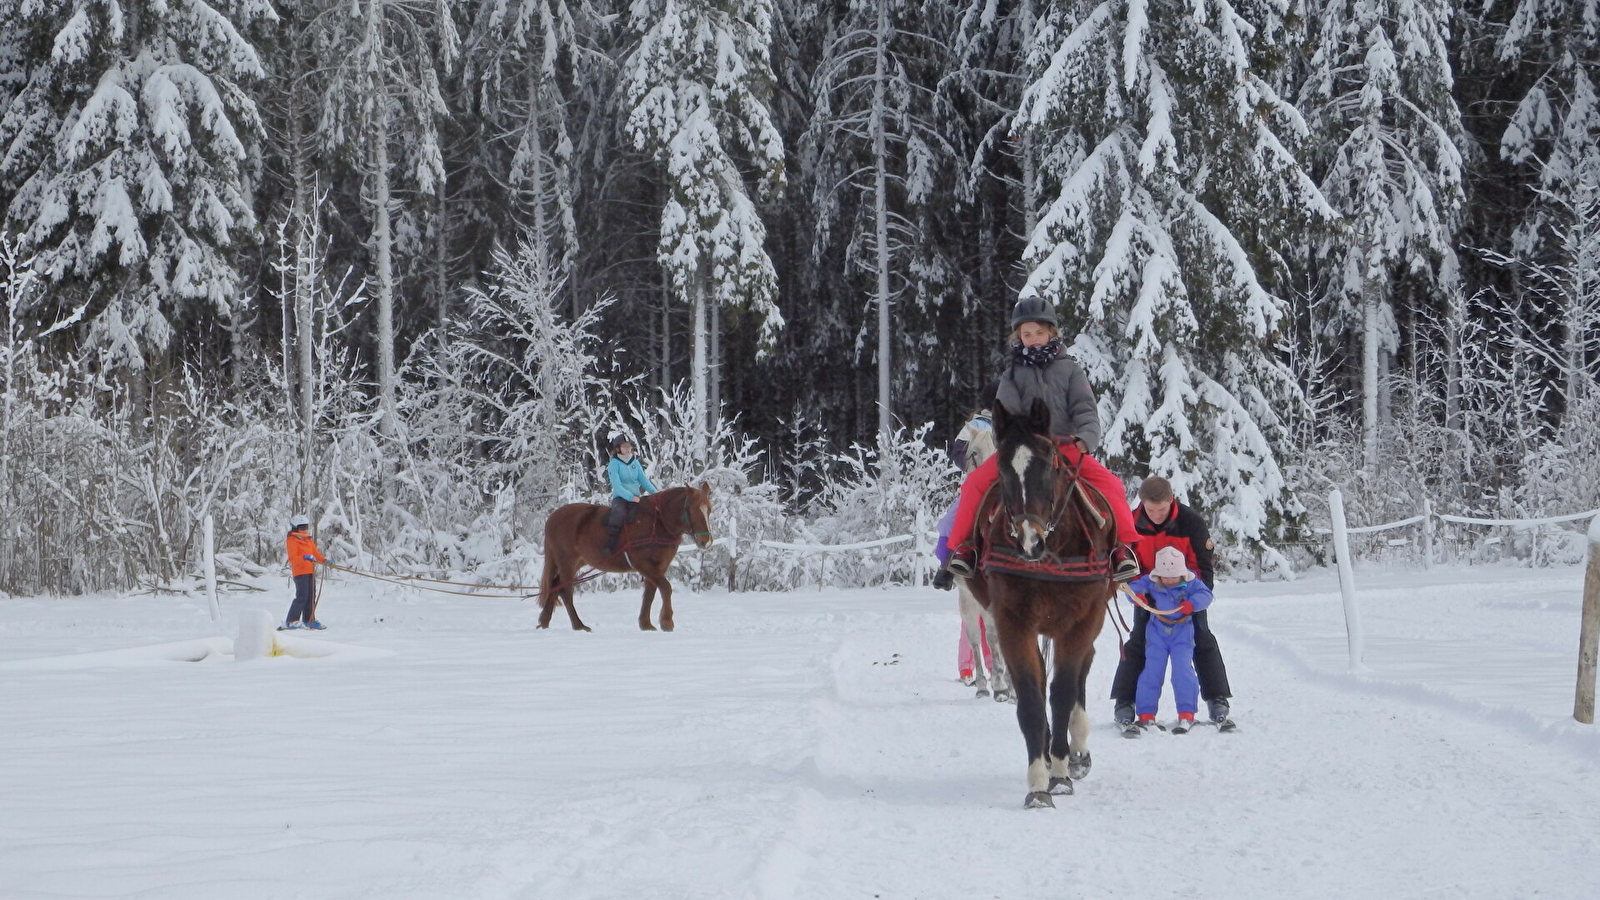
pixel 788 747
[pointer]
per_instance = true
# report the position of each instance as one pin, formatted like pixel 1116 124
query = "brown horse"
pixel 575 536
pixel 1045 572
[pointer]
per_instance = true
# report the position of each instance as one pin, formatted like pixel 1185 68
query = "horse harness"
pixel 1092 566
pixel 658 538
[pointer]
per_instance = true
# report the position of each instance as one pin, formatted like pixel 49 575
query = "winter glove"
pixel 310 557
pixel 1186 607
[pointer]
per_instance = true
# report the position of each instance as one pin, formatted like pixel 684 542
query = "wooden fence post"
pixel 1427 534
pixel 211 569
pixel 1589 632
pixel 1347 581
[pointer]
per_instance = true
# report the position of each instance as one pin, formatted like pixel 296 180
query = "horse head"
pixel 1029 465
pixel 697 514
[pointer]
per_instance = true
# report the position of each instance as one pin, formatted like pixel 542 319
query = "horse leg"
pixel 1079 761
pixel 971 622
pixel 572 609
pixel 649 600
pixel 1003 690
pixel 666 599
pixel 1071 731
pixel 1027 677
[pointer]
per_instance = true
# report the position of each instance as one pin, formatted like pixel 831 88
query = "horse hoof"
pixel 646 626
pixel 666 626
pixel 1004 697
pixel 542 625
pixel 581 628
pixel 1078 765
pixel 1059 786
pixel 983 692
pixel 1039 800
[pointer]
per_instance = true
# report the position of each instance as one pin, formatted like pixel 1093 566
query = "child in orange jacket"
pixel 303 559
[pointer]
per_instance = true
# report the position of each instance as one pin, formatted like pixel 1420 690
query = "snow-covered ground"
pixel 805 745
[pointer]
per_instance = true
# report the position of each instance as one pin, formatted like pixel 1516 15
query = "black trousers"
pixel 300 610
pixel 620 513
pixel 1207 661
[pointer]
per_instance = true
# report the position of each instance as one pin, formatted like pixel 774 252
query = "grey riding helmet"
pixel 1034 309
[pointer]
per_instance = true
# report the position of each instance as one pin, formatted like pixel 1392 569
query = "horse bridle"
pixel 1058 506
pixel 688 523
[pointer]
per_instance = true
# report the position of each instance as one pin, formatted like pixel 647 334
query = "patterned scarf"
pixel 1037 357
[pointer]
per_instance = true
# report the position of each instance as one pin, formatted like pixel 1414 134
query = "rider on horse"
pixel 628 484
pixel 1039 371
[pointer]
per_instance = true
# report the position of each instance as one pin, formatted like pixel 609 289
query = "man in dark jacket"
pixel 1165 523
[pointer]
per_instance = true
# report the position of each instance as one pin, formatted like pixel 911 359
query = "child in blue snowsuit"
pixel 628 484
pixel 1170 585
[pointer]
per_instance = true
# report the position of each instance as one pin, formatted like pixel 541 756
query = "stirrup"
pixel 962 564
pixel 1124 564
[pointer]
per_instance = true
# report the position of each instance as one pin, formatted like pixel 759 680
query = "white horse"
pixel 981 446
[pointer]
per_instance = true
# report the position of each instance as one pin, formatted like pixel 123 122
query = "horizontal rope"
pixel 418 587
pixel 830 548
pixel 1387 526
pixel 1552 520
pixel 1465 520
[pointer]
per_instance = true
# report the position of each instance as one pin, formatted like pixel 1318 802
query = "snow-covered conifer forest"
pixel 404 264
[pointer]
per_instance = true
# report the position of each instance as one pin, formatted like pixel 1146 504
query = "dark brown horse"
pixel 1045 571
pixel 575 536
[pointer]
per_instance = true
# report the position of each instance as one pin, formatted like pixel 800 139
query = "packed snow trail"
pixel 799 745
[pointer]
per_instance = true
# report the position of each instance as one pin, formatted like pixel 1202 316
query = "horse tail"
pixel 548 580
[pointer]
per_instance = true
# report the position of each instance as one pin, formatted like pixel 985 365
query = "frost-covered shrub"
pixel 873 495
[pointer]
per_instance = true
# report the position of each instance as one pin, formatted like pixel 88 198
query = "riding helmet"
pixel 1034 309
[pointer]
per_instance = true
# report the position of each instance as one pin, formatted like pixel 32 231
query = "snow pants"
pixel 964 658
pixel 978 481
pixel 1163 643
pixel 300 610
pixel 1207 660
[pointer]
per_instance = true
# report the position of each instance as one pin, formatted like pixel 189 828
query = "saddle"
pixel 629 537
pixel 1001 554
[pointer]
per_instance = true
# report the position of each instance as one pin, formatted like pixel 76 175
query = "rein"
pixel 410 582
pixel 1137 601
pixel 688 522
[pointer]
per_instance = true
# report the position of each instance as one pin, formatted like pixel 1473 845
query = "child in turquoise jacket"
pixel 628 484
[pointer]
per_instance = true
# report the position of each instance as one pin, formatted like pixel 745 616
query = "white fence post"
pixel 1347 581
pixel 211 570
pixel 1589 631
pixel 1427 534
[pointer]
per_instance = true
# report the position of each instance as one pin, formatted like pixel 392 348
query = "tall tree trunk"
pixel 1030 169
pixel 880 161
pixel 382 233
pixel 1369 374
pixel 716 365
pixel 698 374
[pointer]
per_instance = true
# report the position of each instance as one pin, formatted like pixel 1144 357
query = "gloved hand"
pixel 310 557
pixel 1186 607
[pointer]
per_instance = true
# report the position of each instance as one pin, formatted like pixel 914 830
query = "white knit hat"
pixel 1169 564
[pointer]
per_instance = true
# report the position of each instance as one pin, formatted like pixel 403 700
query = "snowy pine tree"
pixel 381 102
pixel 1388 136
pixel 1175 192
pixel 694 84
pixel 1556 126
pixel 875 139
pixel 124 158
